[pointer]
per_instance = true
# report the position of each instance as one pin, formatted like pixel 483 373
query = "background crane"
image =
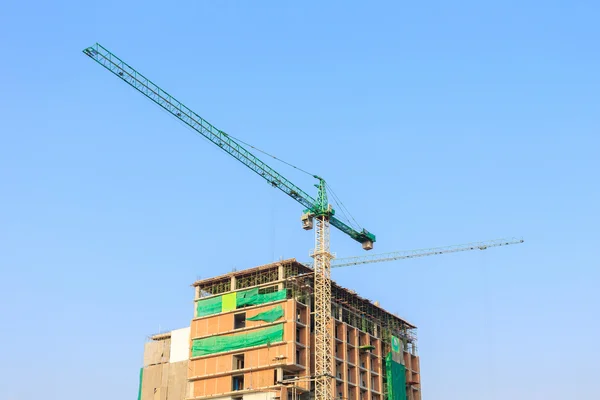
pixel 317 211
pixel 404 254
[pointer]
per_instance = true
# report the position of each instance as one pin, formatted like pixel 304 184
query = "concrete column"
pixel 280 276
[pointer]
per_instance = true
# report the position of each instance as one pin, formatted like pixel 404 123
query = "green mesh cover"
pixel 395 344
pixel 140 388
pixel 212 305
pixel 231 301
pixel 219 344
pixel 396 379
pixel 252 297
pixel 271 315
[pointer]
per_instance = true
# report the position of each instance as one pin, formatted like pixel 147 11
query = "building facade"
pixel 252 338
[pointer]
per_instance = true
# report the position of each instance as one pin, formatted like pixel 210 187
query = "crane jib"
pixel 434 251
pixel 142 84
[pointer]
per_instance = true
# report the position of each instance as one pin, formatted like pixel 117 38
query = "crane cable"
pixel 342 206
pixel 268 154
pixel 239 140
pixel 337 200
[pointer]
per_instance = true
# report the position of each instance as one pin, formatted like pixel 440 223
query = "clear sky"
pixel 435 122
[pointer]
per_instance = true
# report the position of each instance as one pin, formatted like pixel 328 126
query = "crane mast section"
pixel 142 84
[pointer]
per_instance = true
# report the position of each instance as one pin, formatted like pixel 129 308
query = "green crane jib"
pixel 314 208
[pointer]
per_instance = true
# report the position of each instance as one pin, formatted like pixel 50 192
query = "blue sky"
pixel 435 122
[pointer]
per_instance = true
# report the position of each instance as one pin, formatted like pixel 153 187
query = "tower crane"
pixel 316 211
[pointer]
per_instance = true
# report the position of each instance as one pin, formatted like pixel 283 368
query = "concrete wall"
pixel 157 352
pixel 154 382
pixel 166 367
pixel 178 383
pixel 165 381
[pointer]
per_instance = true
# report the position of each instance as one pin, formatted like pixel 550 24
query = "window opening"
pixel 237 382
pixel 238 361
pixel 239 321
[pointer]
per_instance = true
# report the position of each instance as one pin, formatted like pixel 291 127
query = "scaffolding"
pixel 247 278
pixel 256 278
pixel 214 286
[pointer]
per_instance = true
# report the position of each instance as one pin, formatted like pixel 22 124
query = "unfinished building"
pixel 252 338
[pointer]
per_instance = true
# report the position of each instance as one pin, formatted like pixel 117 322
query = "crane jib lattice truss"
pixel 159 96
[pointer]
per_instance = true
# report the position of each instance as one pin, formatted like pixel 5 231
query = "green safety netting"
pixel 395 344
pixel 271 315
pixel 212 305
pixel 141 379
pixel 231 301
pixel 252 297
pixel 396 379
pixel 219 344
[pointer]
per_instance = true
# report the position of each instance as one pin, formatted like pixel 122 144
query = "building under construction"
pixel 252 338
